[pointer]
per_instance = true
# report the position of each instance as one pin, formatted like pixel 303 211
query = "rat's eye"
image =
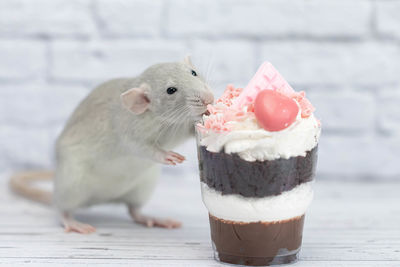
pixel 171 90
pixel 194 73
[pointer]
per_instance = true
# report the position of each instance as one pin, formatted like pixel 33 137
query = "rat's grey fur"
pixel 107 154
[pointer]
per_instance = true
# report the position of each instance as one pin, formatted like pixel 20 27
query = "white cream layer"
pixel 235 207
pixel 252 143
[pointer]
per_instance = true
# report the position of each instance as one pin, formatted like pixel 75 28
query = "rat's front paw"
pixel 172 158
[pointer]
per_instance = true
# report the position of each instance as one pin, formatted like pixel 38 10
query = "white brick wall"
pixel 388 111
pixel 260 18
pixel 345 54
pixel 38 105
pixel 221 64
pixel 45 18
pixel 339 63
pixel 359 157
pixel 98 60
pixel 345 110
pixel 130 18
pixel 388 19
pixel 21 61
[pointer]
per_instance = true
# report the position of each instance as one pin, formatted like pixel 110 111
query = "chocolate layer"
pixel 230 174
pixel 260 243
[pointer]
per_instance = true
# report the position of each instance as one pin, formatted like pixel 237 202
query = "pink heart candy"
pixel 275 111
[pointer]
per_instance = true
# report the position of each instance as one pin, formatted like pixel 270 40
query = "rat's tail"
pixel 21 183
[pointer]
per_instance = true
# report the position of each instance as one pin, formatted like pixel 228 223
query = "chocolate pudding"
pixel 257 243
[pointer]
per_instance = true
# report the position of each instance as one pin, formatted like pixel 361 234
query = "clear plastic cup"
pixel 233 187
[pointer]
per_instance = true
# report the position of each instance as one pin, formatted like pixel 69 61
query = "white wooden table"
pixel 348 224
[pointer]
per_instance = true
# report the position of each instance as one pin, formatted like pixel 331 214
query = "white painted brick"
pixel 37 104
pixel 45 17
pixel 344 111
pixel 20 59
pixel 225 62
pixel 129 18
pixel 360 157
pixel 336 18
pixel 192 17
pixel 102 60
pixel 334 63
pixel 387 17
pixel 269 17
pixel 389 111
pixel 26 147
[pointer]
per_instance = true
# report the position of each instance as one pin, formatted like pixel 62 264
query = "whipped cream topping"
pixel 233 127
pixel 251 142
pixel 234 207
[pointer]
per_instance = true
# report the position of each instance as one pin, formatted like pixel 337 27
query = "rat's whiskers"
pixel 174 118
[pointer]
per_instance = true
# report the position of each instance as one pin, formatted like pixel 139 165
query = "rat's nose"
pixel 208 98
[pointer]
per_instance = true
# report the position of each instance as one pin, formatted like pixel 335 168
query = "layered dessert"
pixel 257 152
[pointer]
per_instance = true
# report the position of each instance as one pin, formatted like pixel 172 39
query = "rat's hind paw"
pixel 166 223
pixel 71 225
pixel 157 222
pixel 78 227
pixel 172 158
pixel 152 221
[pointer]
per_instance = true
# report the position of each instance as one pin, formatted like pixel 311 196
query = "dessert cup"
pixel 257 149
pixel 256 208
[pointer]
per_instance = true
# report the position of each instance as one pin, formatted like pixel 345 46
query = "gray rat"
pixel 110 145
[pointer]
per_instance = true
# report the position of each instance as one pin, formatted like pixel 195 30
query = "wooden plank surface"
pixel 348 224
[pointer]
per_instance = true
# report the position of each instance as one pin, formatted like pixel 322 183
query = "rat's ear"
pixel 188 61
pixel 135 99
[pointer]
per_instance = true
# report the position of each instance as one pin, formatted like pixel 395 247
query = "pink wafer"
pixel 266 77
